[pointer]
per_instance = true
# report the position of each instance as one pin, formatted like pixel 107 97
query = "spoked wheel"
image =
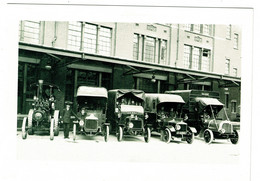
pixel 52 130
pixel 106 133
pixel 208 136
pixel 120 133
pixel 236 138
pixel 190 136
pixel 147 135
pixel 24 132
pixel 30 116
pixel 56 123
pixel 74 132
pixel 167 135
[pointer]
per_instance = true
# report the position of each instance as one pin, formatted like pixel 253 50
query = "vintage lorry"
pixel 207 114
pixel 91 116
pixel 126 113
pixel 164 114
pixel 43 116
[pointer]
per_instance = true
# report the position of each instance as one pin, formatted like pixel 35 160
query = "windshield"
pixel 215 112
pixel 169 110
pixel 91 103
pixel 129 100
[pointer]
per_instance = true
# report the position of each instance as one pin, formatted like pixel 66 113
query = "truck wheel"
pixel 74 132
pixel 236 138
pixel 120 133
pixel 190 136
pixel 52 129
pixel 106 133
pixel 208 136
pixel 167 135
pixel 30 117
pixel 24 132
pixel 147 135
pixel 56 123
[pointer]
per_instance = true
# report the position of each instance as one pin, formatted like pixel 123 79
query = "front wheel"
pixel 190 137
pixel 106 133
pixel 147 135
pixel 74 132
pixel 56 123
pixel 235 139
pixel 167 135
pixel 24 132
pixel 52 130
pixel 208 136
pixel 120 134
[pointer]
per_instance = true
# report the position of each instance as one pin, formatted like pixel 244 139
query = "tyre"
pixel 74 131
pixel 167 135
pixel 236 138
pixel 120 133
pixel 56 123
pixel 52 129
pixel 24 132
pixel 30 118
pixel 208 136
pixel 190 136
pixel 147 135
pixel 106 133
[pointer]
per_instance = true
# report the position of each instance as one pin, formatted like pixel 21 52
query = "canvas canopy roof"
pixel 121 92
pixel 92 91
pixel 205 101
pixel 163 98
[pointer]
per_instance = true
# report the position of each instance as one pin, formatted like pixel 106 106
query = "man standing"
pixel 66 119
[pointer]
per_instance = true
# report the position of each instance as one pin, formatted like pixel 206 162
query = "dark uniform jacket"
pixel 67 115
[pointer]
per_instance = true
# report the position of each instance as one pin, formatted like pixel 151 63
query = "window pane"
pixel 90 38
pixel 196 28
pixel 104 41
pixel 30 31
pixel 187 27
pixel 205 63
pixel 206 29
pixel 236 41
pixel 195 58
pixel 149 49
pixel 135 47
pixel 74 35
pixel 228 35
pixel 227 66
pixel 186 56
pixel 163 52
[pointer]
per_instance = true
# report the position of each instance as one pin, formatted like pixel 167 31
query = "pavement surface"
pixel 130 149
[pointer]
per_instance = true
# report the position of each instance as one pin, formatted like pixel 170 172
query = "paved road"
pixel 131 149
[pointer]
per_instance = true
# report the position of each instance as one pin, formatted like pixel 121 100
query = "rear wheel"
pixel 106 133
pixel 236 138
pixel 30 118
pixel 120 133
pixel 52 130
pixel 208 136
pixel 147 135
pixel 74 132
pixel 24 132
pixel 56 123
pixel 167 135
pixel 190 136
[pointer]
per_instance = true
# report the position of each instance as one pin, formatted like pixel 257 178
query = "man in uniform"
pixel 66 119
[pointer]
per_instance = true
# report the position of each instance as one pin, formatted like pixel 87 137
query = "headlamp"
pixel 146 116
pixel 81 122
pixel 130 125
pixel 222 131
pixel 177 127
pixel 38 116
pixel 132 116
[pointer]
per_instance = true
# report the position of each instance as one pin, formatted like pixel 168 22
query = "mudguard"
pixel 106 124
pixel 171 128
pixel 193 129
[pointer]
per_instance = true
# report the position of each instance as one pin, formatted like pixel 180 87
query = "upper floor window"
pixel 74 35
pixel 235 72
pixel 163 52
pixel 90 38
pixel 236 41
pixel 187 56
pixel 197 28
pixel 104 41
pixel 30 31
pixel 195 58
pixel 207 29
pixel 233 106
pixel 136 47
pixel 228 34
pixel 227 66
pixel 188 27
pixel 205 62
pixel 149 49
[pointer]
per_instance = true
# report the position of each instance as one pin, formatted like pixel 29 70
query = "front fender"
pixel 193 130
pixel 171 128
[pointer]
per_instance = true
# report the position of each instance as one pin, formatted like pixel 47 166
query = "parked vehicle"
pixel 164 114
pixel 126 113
pixel 208 115
pixel 43 116
pixel 91 116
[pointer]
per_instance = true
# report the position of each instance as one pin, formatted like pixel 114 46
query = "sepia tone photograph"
pixel 156 94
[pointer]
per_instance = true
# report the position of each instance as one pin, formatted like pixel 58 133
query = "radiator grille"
pixel 227 127
pixel 91 124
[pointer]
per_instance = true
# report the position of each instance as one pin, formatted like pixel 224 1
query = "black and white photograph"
pixel 127 92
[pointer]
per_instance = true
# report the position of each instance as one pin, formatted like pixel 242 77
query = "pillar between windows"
pixel 157 49
pixel 140 45
pixel 143 48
